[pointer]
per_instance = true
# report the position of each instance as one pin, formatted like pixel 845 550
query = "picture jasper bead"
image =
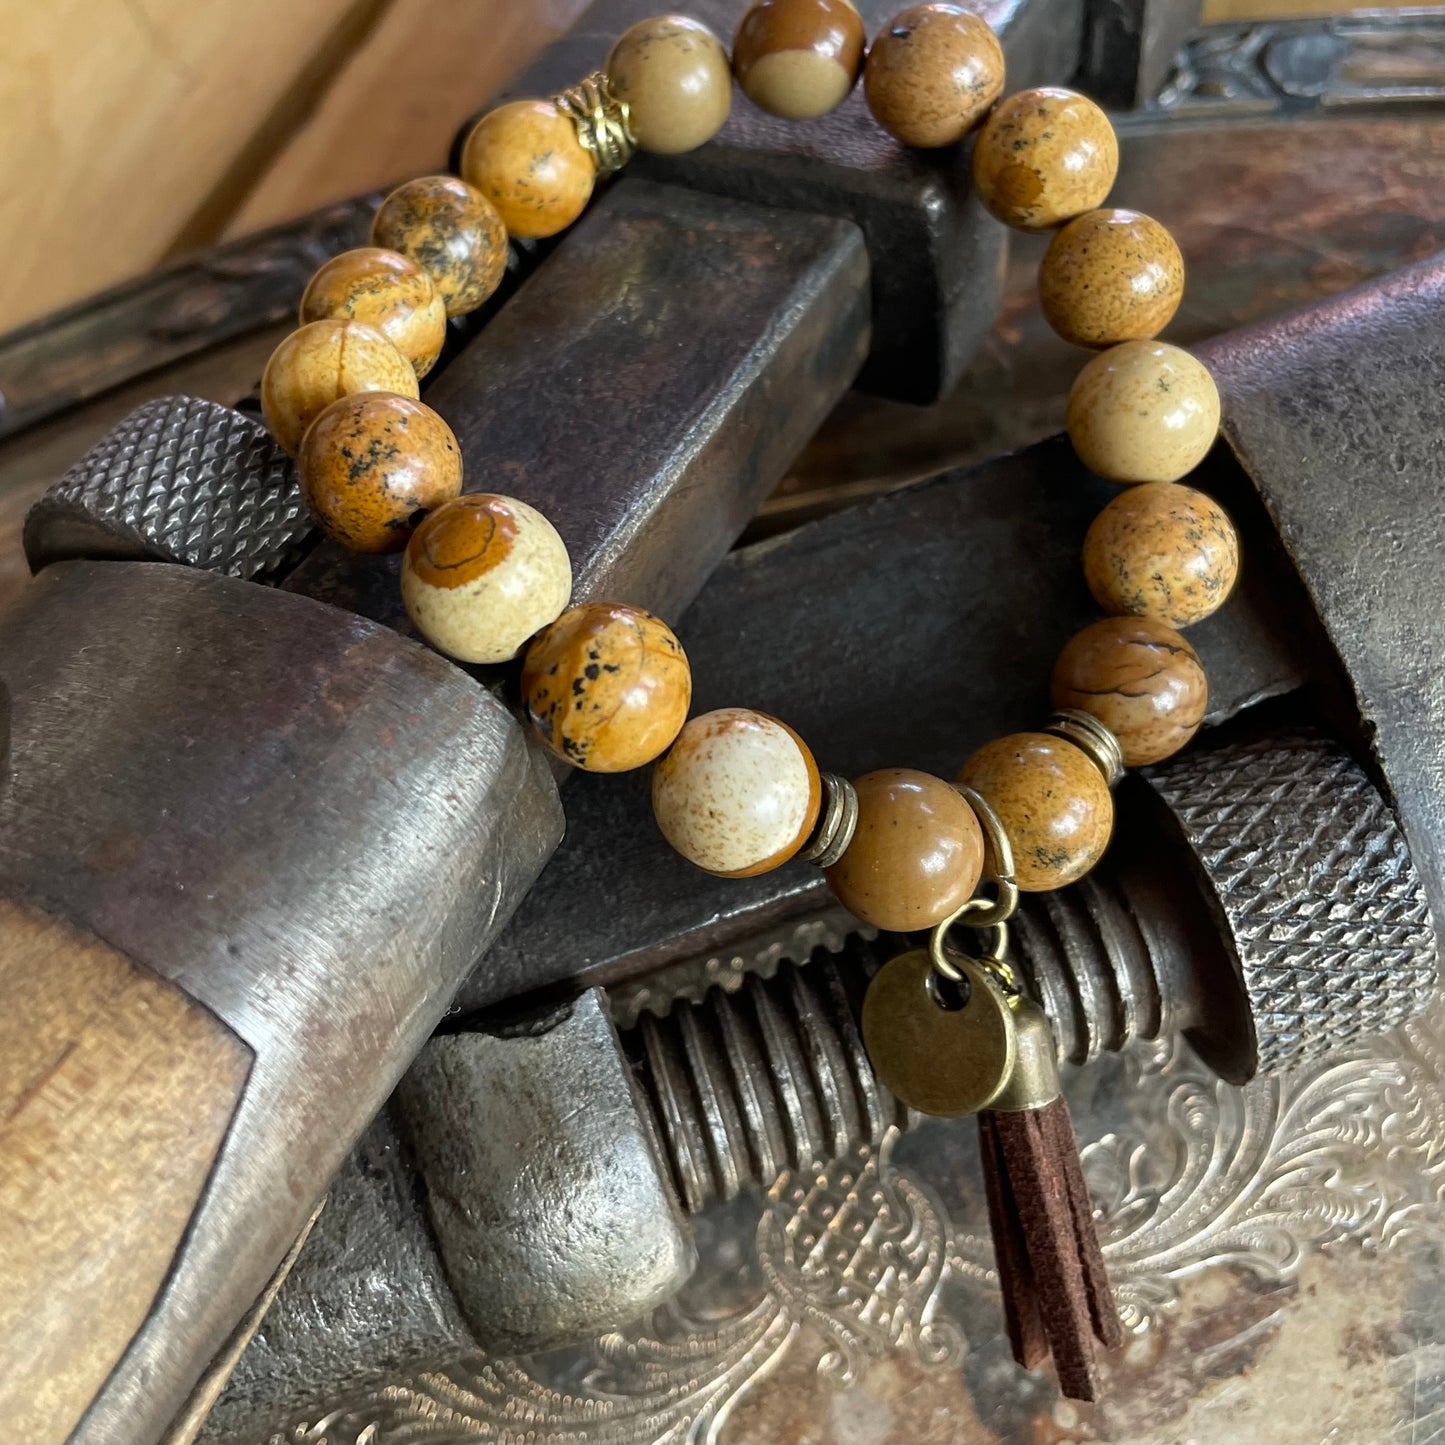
pixel 798 58
pixel 482 574
pixel 1162 551
pixel 1111 276
pixel 1054 804
pixel 916 855
pixel 674 74
pixel 608 686
pixel 372 464
pixel 932 74
pixel 1043 157
pixel 1141 679
pixel 738 794
pixel 1143 411
pixel 320 362
pixel 525 158
pixel 386 290
pixel 452 231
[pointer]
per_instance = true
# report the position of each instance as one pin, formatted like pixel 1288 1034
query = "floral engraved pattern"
pixel 1186 1173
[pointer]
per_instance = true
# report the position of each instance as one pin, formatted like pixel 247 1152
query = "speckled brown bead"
pixel 608 686
pixel 1162 551
pixel 798 58
pixel 916 856
pixel 673 72
pixel 1143 411
pixel 372 465
pixel 525 158
pixel 1053 803
pixel 1111 276
pixel 932 74
pixel 452 231
pixel 386 290
pixel 1043 157
pixel 320 362
pixel 1142 680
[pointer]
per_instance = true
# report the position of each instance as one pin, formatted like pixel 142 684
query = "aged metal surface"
pixel 1275 1248
pixel 936 254
pixel 1338 415
pixel 178 480
pixel 210 776
pixel 1129 48
pixel 548 1195
pixel 646 395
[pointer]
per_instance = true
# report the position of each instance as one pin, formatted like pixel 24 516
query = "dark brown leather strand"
pixel 1056 1293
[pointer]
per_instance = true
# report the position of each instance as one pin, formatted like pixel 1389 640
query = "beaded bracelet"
pixel 607 684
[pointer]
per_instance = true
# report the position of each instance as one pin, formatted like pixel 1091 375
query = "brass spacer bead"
pixel 602 118
pixel 1091 738
pixel 837 822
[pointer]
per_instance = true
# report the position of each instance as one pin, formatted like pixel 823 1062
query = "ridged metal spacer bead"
pixel 603 120
pixel 837 821
pixel 1092 738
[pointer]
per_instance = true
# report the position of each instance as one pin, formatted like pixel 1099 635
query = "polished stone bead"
pixel 386 290
pixel 1043 157
pixel 674 74
pixel 1163 551
pixel 453 231
pixel 608 686
pixel 1111 276
pixel 482 574
pixel 738 794
pixel 371 465
pixel 321 361
pixel 798 58
pixel 1053 803
pixel 916 855
pixel 932 74
pixel 1143 411
pixel 526 159
pixel 1141 679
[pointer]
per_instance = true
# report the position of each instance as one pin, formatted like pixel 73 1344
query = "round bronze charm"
pixel 937 1058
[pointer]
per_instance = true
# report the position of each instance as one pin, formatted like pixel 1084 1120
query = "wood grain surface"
pixel 115 1093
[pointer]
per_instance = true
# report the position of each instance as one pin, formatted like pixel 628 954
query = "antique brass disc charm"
pixel 937 1051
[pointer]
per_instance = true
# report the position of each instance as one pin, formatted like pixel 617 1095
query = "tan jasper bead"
pixel 320 362
pixel 370 465
pixel 1144 411
pixel 1043 157
pixel 1053 803
pixel 932 74
pixel 1162 551
pixel 482 574
pixel 798 58
pixel 917 854
pixel 452 231
pixel 525 158
pixel 1111 276
pixel 674 75
pixel 608 686
pixel 386 290
pixel 738 794
pixel 1142 680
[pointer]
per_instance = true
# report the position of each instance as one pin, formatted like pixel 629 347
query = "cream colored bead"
pixel 738 794
pixel 322 362
pixel 675 77
pixel 482 574
pixel 1143 411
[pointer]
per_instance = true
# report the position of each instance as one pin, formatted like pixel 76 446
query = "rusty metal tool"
pixel 1261 897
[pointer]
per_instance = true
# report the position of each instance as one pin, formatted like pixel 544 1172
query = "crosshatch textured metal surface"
pixel 179 480
pixel 1288 1231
